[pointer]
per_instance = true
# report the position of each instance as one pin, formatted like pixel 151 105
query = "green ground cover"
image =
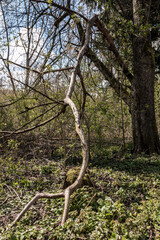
pixel 124 202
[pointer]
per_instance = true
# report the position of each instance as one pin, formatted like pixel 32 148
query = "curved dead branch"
pixel 33 200
pixel 85 152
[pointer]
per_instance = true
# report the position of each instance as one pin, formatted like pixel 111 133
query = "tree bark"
pixel 145 133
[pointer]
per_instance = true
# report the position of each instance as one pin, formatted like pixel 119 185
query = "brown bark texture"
pixel 145 134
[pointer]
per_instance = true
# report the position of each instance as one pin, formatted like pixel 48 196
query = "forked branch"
pixel 69 190
pixel 33 200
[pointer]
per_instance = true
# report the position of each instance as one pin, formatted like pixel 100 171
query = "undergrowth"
pixel 123 204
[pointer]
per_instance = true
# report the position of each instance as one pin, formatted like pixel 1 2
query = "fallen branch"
pixel 33 200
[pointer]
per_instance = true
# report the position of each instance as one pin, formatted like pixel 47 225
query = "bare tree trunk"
pixel 145 134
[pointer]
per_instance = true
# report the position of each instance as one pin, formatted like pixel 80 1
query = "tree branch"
pixel 114 83
pixel 11 103
pixel 35 90
pixel 8 50
pixel 108 75
pixel 113 48
pixel 36 126
pixel 33 200
pixel 37 106
pixel 66 9
pixel 36 71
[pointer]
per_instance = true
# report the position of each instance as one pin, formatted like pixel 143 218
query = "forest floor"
pixel 123 203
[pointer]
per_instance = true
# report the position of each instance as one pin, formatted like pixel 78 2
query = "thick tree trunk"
pixel 145 134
